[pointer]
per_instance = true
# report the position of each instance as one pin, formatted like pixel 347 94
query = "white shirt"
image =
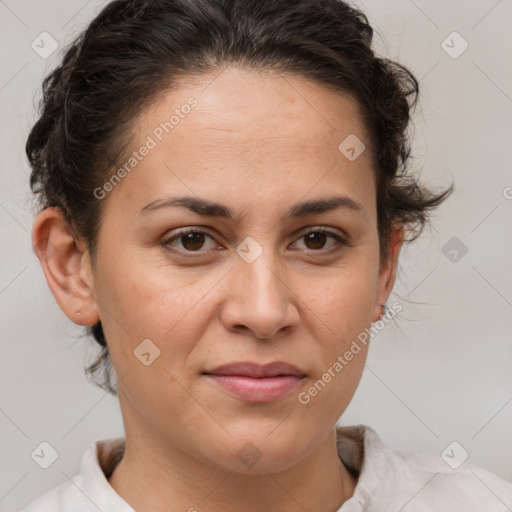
pixel 388 481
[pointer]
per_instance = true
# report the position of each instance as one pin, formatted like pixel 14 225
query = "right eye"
pixel 191 239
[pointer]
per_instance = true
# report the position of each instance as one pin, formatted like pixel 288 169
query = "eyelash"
pixel 340 242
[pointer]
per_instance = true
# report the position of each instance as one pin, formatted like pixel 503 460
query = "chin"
pixel 258 454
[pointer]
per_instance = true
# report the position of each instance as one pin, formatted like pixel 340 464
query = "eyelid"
pixel 336 232
pixel 342 240
pixel 183 231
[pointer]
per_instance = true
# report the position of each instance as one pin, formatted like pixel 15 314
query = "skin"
pixel 259 144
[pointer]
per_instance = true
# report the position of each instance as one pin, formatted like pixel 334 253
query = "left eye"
pixel 192 240
pixel 318 237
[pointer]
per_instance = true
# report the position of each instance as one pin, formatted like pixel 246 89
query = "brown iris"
pixel 317 238
pixel 193 241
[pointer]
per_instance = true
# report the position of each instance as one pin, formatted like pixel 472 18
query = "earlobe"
pixel 387 273
pixel 66 266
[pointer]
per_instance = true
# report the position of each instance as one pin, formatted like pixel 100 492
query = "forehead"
pixel 243 103
pixel 240 134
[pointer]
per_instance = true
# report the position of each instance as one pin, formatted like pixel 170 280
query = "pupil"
pixel 193 241
pixel 318 239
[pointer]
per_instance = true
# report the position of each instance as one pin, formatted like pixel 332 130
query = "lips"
pixel 256 383
pixel 254 370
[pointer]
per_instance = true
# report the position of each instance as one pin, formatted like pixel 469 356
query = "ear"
pixel 387 272
pixel 66 265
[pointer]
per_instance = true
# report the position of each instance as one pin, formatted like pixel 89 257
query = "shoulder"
pixel 433 482
pixel 417 482
pixel 60 498
pixel 90 490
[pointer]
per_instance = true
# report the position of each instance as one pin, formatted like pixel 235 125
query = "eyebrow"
pixel 207 208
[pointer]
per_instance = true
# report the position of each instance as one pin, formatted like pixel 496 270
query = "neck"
pixel 151 478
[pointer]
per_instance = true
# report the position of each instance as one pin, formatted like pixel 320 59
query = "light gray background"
pixel 443 372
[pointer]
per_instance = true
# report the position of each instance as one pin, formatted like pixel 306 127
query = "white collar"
pixel 355 445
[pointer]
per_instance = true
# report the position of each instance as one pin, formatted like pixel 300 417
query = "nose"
pixel 259 299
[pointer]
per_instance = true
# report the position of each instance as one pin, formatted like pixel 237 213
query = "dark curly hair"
pixel 135 50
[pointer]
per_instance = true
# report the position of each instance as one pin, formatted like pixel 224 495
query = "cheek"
pixel 340 313
pixel 345 303
pixel 140 301
pixel 341 353
pixel 140 304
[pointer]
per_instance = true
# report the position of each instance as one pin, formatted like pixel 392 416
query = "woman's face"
pixel 249 286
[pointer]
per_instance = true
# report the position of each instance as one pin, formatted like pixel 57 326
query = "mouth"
pixel 253 382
